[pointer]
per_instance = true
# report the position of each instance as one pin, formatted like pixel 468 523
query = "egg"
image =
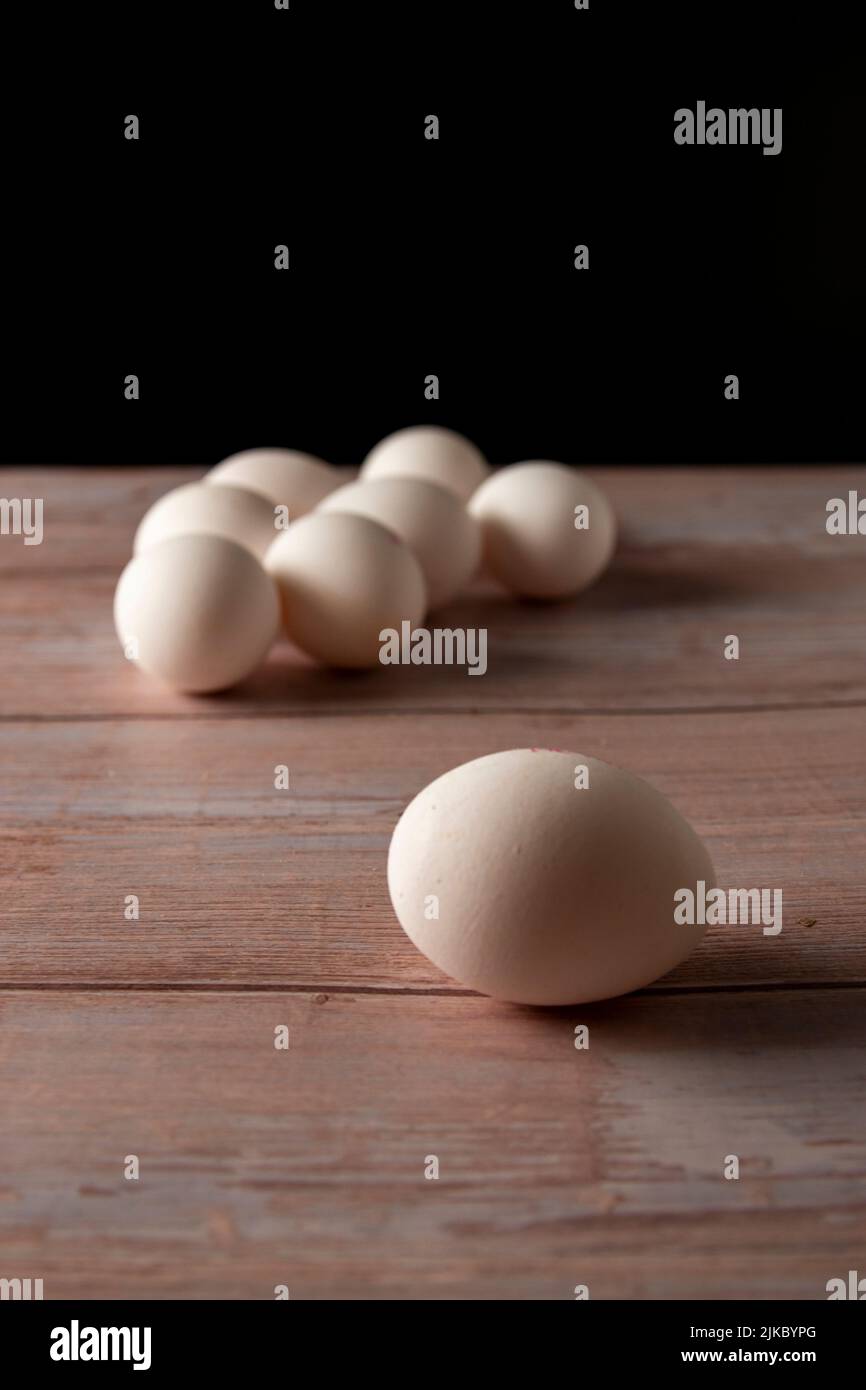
pixel 283 477
pixel 234 513
pixel 428 452
pixel 342 580
pixel 548 531
pixel 197 611
pixel 432 521
pixel 519 881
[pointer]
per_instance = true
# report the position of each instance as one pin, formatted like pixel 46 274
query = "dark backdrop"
pixel 454 257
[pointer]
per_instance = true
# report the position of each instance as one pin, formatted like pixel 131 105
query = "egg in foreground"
pixel 197 611
pixel 521 884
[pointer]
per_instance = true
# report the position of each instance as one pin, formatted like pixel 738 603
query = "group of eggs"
pixel 511 873
pixel 272 535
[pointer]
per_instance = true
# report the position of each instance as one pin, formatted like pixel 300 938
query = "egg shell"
pixel 531 544
pixel 547 893
pixel 284 477
pixel 432 521
pixel 432 454
pixel 201 611
pixel 234 513
pixel 342 580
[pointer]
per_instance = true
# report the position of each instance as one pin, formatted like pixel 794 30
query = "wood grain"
pixel 733 552
pixel 557 1167
pixel 241 883
pixel 260 908
pixel 91 514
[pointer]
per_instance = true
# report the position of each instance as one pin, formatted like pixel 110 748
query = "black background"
pixel 455 257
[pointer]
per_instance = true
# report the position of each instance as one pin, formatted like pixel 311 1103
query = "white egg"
pixel 284 477
pixel 234 513
pixel 519 881
pixel 342 580
pixel 548 531
pixel 197 611
pixel 431 453
pixel 432 521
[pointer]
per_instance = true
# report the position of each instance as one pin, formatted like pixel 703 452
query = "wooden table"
pixel 259 908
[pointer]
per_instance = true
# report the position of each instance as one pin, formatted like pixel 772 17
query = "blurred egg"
pixel 548 531
pixel 342 580
pixel 433 454
pixel 197 611
pixel 518 882
pixel 194 509
pixel 283 477
pixel 432 521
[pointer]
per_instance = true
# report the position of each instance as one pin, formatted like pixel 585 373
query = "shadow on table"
pixel 742 1019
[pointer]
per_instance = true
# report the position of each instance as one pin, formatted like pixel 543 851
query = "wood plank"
pixel 90 514
pixel 557 1167
pixel 242 884
pixel 703 554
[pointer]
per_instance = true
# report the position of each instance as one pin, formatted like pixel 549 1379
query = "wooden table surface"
pixel 259 908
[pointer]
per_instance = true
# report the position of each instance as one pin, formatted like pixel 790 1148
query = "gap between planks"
pixel 387 711
pixel 422 991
